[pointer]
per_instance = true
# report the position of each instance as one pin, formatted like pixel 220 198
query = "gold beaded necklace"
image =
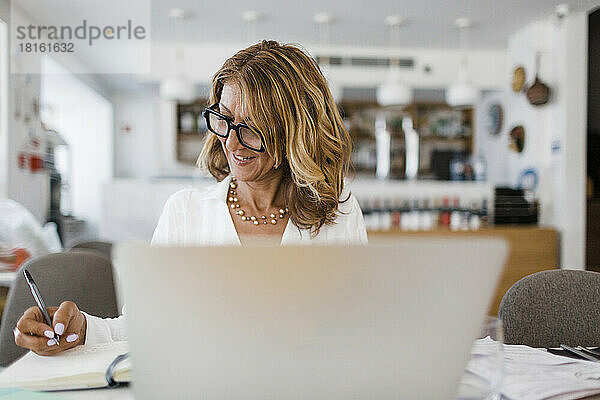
pixel 234 204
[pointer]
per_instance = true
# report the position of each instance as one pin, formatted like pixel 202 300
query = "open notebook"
pixel 79 368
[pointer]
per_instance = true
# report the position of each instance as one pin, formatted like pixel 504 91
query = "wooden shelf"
pixel 189 141
pixel 431 120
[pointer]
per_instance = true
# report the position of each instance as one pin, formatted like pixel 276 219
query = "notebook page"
pixel 78 361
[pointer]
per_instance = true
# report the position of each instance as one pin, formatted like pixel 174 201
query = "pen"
pixel 38 299
pixel 578 352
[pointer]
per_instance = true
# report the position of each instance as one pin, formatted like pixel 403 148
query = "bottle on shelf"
pixel 385 215
pixel 445 212
pixel 396 213
pixel 405 215
pixel 475 219
pixel 455 215
pixel 187 121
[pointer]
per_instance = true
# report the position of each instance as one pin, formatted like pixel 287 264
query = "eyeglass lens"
pixel 247 136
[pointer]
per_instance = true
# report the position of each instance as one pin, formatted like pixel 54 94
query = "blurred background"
pixel 468 117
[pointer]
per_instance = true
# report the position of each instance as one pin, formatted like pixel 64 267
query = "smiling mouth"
pixel 242 159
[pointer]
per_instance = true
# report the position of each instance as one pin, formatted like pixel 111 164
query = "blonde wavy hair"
pixel 288 100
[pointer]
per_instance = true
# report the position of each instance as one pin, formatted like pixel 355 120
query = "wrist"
pixel 83 330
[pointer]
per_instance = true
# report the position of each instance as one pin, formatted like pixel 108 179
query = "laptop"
pixel 388 320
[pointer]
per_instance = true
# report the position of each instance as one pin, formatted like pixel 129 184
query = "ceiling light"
pixel 462 92
pixel 323 18
pixel 393 91
pixel 178 13
pixel 251 16
pixel 177 87
pixel 393 20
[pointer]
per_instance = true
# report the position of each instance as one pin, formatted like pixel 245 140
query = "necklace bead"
pixel 234 204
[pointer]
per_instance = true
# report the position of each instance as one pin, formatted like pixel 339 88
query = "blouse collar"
pixel 220 190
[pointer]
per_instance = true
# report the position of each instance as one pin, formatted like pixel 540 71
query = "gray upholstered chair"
pixel 83 277
pixel 102 247
pixel 553 307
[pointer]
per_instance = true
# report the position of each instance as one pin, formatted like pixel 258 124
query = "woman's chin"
pixel 243 173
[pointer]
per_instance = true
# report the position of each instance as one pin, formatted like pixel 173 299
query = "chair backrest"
pixel 102 247
pixel 83 277
pixel 554 307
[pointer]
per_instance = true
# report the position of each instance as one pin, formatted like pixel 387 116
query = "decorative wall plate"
pixel 517 138
pixel 538 93
pixel 518 80
pixel 493 119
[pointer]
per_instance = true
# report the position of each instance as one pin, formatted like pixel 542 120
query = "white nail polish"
pixel 51 342
pixel 16 331
pixel 49 334
pixel 72 338
pixel 59 328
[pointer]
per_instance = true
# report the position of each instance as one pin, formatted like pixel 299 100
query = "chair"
pixel 102 247
pixel 554 307
pixel 83 277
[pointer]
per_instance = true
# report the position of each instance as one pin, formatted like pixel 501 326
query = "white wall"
pixel 569 136
pixel 32 189
pixel 136 150
pixel 561 124
pixel 493 148
pixel 29 189
pixel 85 119
pixel 522 48
pixel 3 108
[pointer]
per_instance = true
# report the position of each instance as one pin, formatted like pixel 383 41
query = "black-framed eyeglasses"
pixel 221 125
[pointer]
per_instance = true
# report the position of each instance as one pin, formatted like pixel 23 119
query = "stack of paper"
pixel 535 374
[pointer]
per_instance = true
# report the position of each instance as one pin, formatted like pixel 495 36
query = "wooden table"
pixel 532 249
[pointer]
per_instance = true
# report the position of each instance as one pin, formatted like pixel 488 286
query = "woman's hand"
pixel 34 334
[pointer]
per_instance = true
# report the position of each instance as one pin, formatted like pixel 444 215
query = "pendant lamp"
pixel 462 92
pixel 177 86
pixel 324 20
pixel 393 91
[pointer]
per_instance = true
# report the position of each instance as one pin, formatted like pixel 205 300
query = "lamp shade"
pixel 393 92
pixel 462 92
pixel 177 88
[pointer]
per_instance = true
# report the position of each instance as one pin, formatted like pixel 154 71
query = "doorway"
pixel 593 144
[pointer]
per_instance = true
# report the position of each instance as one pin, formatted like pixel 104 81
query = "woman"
pixel 280 152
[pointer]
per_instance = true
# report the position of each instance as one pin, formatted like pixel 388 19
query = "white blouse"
pixel 196 217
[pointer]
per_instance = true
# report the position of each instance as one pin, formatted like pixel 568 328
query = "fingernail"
pixel 59 328
pixel 16 331
pixel 72 338
pixel 49 334
pixel 51 342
